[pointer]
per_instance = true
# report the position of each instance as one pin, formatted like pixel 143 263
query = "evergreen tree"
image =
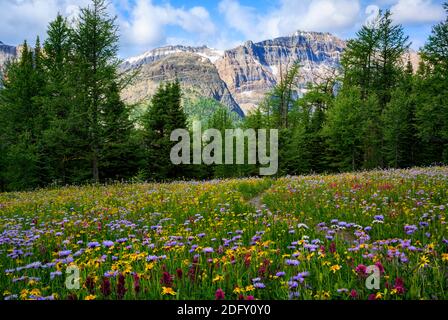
pixel 343 130
pixel 120 154
pixel 22 118
pixel 400 136
pixel 95 41
pixel 163 116
pixel 281 99
pixel 57 97
pixel 392 46
pixel 432 95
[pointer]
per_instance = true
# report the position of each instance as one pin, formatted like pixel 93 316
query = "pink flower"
pixel 333 247
pixel 250 298
pixel 399 285
pixel 380 266
pixel 361 270
pixel 372 296
pixel 353 294
pixel 219 295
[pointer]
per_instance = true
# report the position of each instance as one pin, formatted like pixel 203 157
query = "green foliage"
pixel 432 95
pixel 203 109
pixel 163 116
pixel 62 120
pixel 343 130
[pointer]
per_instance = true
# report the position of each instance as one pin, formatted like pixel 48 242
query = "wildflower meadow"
pixel 305 238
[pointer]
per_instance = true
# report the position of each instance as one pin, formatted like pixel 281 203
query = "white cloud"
pixel 142 23
pixel 289 16
pixel 417 11
pixel 146 26
pixel 372 12
pixel 25 19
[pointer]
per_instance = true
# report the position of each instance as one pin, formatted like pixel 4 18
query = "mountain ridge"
pixel 238 77
pixel 249 70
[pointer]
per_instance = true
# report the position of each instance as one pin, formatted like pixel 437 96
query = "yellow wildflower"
pixel 90 297
pixel 218 278
pixel 335 268
pixel 250 288
pixel 166 291
pixel 149 266
pixel 424 261
pixel 238 290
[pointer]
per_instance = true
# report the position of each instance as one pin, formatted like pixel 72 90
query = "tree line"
pixel 62 120
pixel 377 112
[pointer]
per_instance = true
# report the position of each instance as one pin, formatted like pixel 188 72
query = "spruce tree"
pixel 164 115
pixel 95 41
pixel 22 121
pixel 432 96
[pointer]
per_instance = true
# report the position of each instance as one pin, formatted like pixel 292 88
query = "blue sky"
pixel 222 24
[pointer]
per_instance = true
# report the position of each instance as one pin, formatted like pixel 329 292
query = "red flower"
pixel 372 296
pixel 121 286
pixel 353 294
pixel 361 270
pixel 333 247
pixel 250 298
pixel 247 259
pixel 167 279
pixel 264 268
pixel 136 283
pixel 380 266
pixel 105 287
pixel 90 284
pixel 179 273
pixel 399 285
pixel 219 295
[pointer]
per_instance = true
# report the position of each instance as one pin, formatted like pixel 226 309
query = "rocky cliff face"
pixel 239 77
pixel 253 69
pixel 198 77
pixel 6 53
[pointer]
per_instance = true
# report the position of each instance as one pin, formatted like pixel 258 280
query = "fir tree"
pixel 164 115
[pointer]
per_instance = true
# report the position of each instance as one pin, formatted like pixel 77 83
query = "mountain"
pixel 252 69
pixel 192 66
pixel 6 53
pixel 238 78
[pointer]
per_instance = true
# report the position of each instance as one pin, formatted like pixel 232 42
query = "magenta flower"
pixel 219 295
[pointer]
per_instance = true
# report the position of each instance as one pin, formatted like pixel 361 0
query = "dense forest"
pixel 62 120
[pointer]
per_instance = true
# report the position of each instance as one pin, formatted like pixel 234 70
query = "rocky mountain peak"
pixel 160 53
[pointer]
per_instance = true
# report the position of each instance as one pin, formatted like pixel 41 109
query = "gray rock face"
pixel 197 75
pixel 6 53
pixel 253 69
pixel 239 77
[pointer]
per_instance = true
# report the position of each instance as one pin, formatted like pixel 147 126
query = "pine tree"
pixel 164 115
pixel 120 155
pixel 222 120
pixel 344 130
pixel 392 46
pixel 22 118
pixel 57 99
pixel 95 41
pixel 358 59
pixel 400 136
pixel 281 99
pixel 432 97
